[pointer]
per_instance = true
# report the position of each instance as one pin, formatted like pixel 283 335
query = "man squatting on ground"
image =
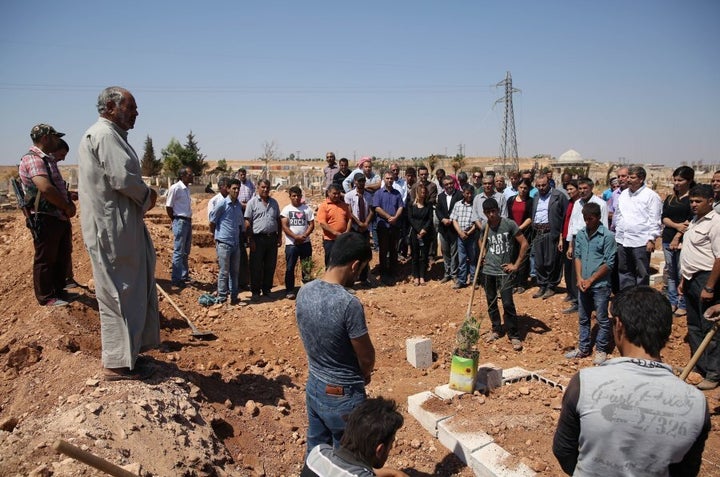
pixel 226 225
pixel 113 201
pixel 179 208
pixel 298 223
pixel 631 416
pixel 365 444
pixel 40 175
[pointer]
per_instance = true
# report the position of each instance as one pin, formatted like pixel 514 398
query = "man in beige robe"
pixel 113 201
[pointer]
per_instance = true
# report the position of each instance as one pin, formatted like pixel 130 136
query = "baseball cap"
pixel 40 130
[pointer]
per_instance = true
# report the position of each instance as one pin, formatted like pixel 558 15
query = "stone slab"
pixel 461 443
pixel 445 392
pixel 516 374
pixel 428 419
pixel 489 461
pixel 419 351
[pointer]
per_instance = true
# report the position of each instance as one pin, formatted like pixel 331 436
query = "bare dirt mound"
pixel 235 405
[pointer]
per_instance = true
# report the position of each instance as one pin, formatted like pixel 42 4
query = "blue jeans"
pixel 229 263
pixel 467 256
pixel 182 230
pixel 672 262
pixel 292 254
pixel 595 298
pixel 326 411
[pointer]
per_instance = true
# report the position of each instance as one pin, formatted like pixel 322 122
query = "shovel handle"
pixel 90 459
pixel 699 352
pixel 477 270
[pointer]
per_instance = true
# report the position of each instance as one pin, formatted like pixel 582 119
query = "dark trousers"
pixel 698 327
pixel 244 277
pixel 327 247
pixel 387 241
pixel 633 266
pixel 419 254
pixel 504 286
pixel 570 278
pixel 292 254
pixel 548 266
pixel 523 273
pixel 52 253
pixel 366 269
pixel 262 263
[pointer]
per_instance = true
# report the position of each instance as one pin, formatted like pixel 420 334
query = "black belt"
pixel 541 227
pixel 180 217
pixel 271 234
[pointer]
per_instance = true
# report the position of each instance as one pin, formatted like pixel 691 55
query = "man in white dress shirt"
pixel 178 207
pixel 638 225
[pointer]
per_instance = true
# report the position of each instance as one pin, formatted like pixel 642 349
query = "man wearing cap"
pixel 40 176
pixel 113 201
pixel 330 170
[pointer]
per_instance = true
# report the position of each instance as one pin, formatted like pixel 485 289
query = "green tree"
pixel 172 157
pixel 150 166
pixel 221 166
pixel 192 157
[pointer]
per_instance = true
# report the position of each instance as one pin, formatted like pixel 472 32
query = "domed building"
pixel 570 159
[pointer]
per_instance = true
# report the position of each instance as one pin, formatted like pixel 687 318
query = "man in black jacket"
pixel 448 237
pixel 548 218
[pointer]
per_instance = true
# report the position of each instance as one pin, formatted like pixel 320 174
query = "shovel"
pixel 477 271
pixel 699 352
pixel 195 332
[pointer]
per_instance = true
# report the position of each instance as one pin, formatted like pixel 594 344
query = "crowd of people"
pixel 506 234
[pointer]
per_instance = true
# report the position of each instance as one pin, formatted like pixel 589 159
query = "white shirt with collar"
pixel 577 221
pixel 638 217
pixel 178 197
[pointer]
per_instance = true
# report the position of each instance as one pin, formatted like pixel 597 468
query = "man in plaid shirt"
pixel 39 174
pixel 462 215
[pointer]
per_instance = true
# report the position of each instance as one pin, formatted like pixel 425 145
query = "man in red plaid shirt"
pixel 39 174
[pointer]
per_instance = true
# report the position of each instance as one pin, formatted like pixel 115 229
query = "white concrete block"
pixel 489 461
pixel 513 375
pixel 445 392
pixel 489 377
pixel 419 351
pixel 428 419
pixel 461 442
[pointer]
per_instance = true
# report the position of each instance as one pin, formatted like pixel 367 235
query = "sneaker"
pixel 576 354
pixel 492 336
pixel 445 279
pixel 541 291
pixel 548 293
pixel 56 302
pixel 600 358
pixel 458 286
pixel 516 344
pixel 520 290
pixel 290 296
pixel 70 284
pixel 573 308
pixel 706 385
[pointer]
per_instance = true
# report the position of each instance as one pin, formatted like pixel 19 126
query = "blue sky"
pixel 635 79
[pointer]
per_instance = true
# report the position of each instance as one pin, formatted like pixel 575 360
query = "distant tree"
pixel 192 157
pixel 291 157
pixel 221 166
pixel 458 162
pixel 172 157
pixel 432 163
pixel 150 166
pixel 269 154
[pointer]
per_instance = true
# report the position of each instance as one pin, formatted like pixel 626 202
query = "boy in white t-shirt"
pixel 298 222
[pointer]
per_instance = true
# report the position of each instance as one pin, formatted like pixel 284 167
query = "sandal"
pixel 680 312
pixel 125 374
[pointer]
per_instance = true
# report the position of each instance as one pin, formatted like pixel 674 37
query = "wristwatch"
pixel 709 290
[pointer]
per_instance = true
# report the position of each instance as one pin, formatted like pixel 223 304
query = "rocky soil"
pixel 234 405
